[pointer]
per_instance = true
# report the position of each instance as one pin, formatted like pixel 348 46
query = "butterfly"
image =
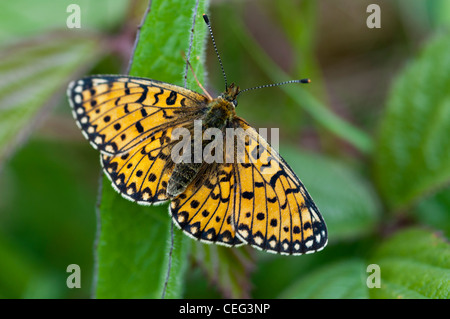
pixel 256 200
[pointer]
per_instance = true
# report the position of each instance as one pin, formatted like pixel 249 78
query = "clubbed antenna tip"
pixel 277 84
pixel 205 17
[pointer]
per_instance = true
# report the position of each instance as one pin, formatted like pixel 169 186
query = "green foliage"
pixel 349 211
pixel 41 178
pixel 413 150
pixel 165 37
pixel 414 264
pixel 341 280
pixel 45 16
pixel 136 246
pixel 434 210
pixel 228 268
pixel 45 61
pixel 368 186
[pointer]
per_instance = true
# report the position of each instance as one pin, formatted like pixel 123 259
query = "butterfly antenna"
pixel 276 84
pixel 205 17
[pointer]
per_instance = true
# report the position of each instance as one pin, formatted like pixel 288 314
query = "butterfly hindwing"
pixel 274 213
pixel 142 174
pixel 204 210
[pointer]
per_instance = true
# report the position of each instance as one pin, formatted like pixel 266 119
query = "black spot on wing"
pixel 172 98
pixel 139 127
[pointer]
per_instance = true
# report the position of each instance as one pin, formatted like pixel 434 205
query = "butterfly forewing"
pixel 115 113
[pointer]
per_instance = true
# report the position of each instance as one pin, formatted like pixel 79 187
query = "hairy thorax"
pixel 220 112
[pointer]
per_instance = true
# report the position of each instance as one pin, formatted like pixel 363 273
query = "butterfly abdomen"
pixel 183 174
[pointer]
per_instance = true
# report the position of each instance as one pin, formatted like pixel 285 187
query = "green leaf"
pixel 163 39
pixel 439 12
pixel 133 249
pixel 341 280
pixel 134 242
pixel 345 199
pixel 276 273
pixel 33 73
pixel 47 218
pixel 413 150
pixel 434 211
pixel 25 18
pixel 414 263
pixel 16 270
pixel 427 15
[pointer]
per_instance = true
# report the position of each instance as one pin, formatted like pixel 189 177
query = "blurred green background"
pixel 369 137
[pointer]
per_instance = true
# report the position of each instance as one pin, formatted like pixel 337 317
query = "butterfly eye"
pixel 235 103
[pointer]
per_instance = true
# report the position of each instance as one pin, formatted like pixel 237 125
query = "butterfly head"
pixel 231 94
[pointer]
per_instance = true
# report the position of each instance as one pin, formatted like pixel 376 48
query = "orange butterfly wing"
pixel 130 121
pixel 204 210
pixel 274 212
